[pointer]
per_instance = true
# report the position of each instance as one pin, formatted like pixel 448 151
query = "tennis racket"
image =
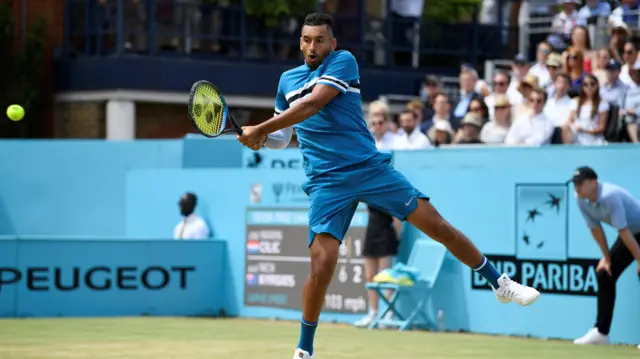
pixel 209 111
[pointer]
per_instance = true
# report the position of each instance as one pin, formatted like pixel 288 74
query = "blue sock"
pixel 488 271
pixel 307 332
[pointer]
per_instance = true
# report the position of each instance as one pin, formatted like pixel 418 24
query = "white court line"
pixel 275 258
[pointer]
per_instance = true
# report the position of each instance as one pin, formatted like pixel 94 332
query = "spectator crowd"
pixel 570 94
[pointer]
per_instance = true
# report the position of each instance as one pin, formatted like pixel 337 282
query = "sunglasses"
pixel 501 107
pixel 474 109
pixel 589 84
pixel 536 100
pixel 572 57
pixel 553 67
pixel 377 123
pixel 545 51
pixel 500 83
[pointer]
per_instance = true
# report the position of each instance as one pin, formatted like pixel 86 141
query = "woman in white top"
pixel 588 115
pixel 378 119
pixel 495 131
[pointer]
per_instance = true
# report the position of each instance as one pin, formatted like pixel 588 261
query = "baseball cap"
pixel 520 59
pixel 613 64
pixel 583 173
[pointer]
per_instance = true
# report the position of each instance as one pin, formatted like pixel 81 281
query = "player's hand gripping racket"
pixel 209 112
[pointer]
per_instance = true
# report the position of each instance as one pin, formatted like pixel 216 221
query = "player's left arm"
pixel 342 69
pixel 619 222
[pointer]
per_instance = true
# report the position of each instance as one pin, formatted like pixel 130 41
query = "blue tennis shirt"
pixel 337 136
pixel 614 205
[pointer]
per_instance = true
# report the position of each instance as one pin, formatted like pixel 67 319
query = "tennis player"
pixel 321 98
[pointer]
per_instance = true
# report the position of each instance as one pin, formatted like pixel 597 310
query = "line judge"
pixel 614 205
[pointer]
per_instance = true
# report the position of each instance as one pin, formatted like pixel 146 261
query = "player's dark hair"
pixel 318 19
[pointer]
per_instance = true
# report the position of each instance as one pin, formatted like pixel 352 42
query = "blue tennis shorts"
pixel 333 199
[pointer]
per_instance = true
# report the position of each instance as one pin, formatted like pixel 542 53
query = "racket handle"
pixel 238 131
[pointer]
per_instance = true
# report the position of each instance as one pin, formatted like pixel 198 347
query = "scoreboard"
pixel 277 262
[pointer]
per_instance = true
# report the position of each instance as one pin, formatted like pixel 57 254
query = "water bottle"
pixel 441 320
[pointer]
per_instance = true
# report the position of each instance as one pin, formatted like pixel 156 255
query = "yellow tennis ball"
pixel 15 112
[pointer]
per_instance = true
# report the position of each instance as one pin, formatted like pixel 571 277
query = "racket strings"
pixel 208 110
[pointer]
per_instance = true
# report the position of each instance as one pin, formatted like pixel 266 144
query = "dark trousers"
pixel 621 258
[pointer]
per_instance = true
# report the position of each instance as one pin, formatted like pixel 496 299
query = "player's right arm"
pixel 281 138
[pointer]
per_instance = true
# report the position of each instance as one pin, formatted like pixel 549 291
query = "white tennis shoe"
pixel 594 337
pixel 302 354
pixel 510 291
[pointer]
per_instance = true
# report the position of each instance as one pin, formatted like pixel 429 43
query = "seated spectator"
pixel 441 133
pixel 468 79
pixel 480 110
pixel 431 86
pixel 591 9
pixel 192 226
pixel 629 58
pixel 554 64
pixel 630 109
pixel 600 72
pixel 495 131
pixel 417 106
pixel 619 33
pixel 501 81
pixel 540 68
pixel 533 127
pixel 411 138
pixel 580 41
pixel 558 106
pixel 613 89
pixel 519 70
pixel 470 128
pixel 481 86
pixel 526 88
pixel 378 118
pixel 627 13
pixel 566 19
pixel 442 112
pixel 574 67
pixel 588 116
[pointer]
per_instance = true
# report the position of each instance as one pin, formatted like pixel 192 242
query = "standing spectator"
pixel 574 67
pixel 558 107
pixel 501 82
pixel 519 70
pixel 631 104
pixel 470 127
pixel 532 128
pixel 192 226
pixel 442 113
pixel 606 202
pixel 566 19
pixel 554 64
pixel 604 55
pixel 468 80
pixel 593 8
pixel 588 116
pixel 629 57
pixel 378 118
pixel 613 90
pixel 495 131
pixel 411 138
pixel 405 14
pixel 540 68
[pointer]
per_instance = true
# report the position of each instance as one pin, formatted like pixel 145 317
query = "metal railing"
pixel 193 28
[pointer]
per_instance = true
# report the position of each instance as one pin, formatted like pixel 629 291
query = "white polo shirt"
pixel 191 227
pixel 415 141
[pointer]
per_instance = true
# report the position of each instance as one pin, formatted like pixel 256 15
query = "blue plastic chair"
pixel 427 256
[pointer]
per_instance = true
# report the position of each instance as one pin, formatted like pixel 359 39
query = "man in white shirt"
pixel 558 106
pixel 501 81
pixel 192 226
pixel 540 68
pixel 412 138
pixel 533 127
pixel 629 57
pixel 554 63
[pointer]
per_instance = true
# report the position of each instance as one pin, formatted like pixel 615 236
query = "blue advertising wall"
pixel 48 278
pixel 488 192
